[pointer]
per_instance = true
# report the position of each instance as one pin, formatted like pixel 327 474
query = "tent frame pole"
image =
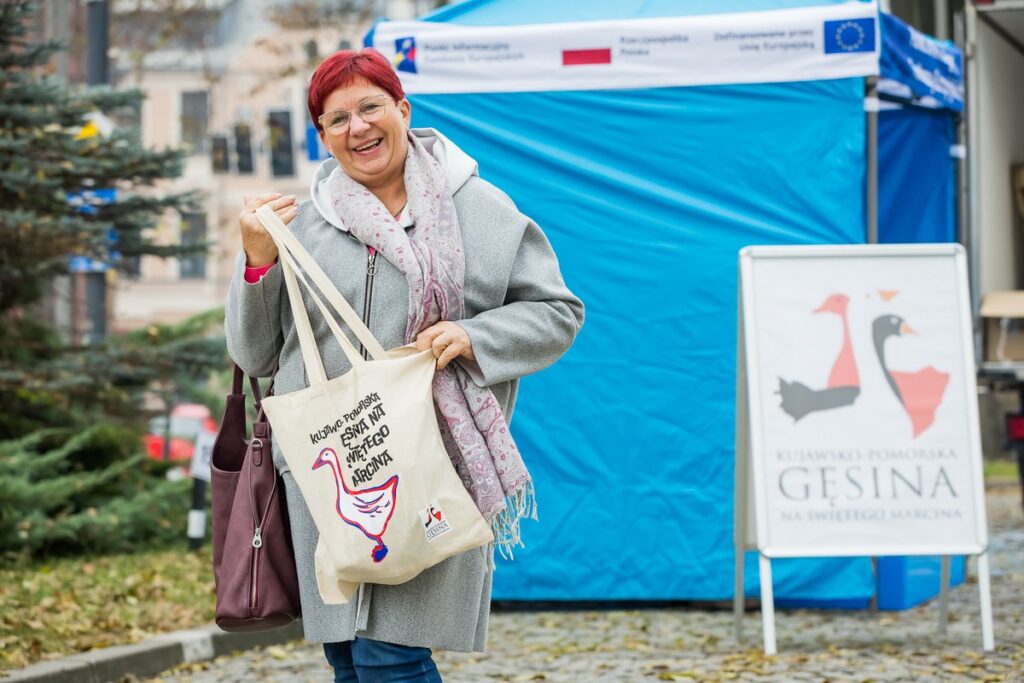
pixel 972 230
pixel 871 184
pixel 941 19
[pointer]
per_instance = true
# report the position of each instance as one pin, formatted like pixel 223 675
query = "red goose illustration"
pixel 799 400
pixel 920 393
pixel 369 509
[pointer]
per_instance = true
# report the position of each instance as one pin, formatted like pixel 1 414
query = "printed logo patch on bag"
pixel 434 521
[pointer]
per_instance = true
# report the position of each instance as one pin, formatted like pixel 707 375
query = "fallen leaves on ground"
pixel 65 606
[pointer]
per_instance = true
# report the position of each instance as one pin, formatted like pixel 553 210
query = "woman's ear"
pixel 406 109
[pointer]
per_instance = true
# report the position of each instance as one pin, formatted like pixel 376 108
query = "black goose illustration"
pixel 799 400
pixel 920 393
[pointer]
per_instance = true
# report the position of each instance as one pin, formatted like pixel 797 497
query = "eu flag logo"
pixel 405 55
pixel 850 35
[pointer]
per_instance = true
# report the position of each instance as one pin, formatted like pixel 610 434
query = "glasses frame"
pixel 384 99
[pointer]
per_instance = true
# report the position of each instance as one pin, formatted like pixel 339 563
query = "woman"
pixel 484 293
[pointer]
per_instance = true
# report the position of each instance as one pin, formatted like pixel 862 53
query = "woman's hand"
pixel 256 241
pixel 447 340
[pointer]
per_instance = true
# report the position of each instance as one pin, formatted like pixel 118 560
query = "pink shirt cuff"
pixel 254 275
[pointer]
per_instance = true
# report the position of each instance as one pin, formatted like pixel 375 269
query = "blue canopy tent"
pixel 922 90
pixel 647 193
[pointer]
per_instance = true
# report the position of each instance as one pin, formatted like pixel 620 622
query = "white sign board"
pixel 202 455
pixel 864 407
pixel 857 415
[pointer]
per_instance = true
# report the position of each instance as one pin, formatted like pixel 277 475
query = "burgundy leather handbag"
pixel 253 560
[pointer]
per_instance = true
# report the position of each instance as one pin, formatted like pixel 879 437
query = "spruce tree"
pixel 72 475
pixel 47 159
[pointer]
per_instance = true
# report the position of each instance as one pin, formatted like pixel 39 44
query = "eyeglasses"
pixel 369 110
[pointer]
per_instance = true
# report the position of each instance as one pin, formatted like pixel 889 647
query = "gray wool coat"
pixel 520 317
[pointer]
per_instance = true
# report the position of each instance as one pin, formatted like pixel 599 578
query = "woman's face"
pixel 371 153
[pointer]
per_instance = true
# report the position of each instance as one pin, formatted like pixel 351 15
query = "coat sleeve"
pixel 535 326
pixel 252 320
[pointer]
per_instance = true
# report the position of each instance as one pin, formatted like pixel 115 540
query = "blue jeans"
pixel 371 661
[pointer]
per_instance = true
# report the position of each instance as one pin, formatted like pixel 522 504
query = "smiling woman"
pixel 366 132
pixel 400 219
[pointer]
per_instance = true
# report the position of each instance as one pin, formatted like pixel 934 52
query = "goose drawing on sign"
pixel 921 392
pixel 799 400
pixel 369 509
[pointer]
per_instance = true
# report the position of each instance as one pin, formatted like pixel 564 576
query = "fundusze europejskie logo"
pixel 405 54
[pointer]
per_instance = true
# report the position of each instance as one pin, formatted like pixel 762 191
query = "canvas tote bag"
pixel 365 449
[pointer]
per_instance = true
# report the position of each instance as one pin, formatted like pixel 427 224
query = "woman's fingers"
pixel 282 202
pixel 255 201
pixel 425 339
pixel 288 213
pixel 447 341
pixel 259 247
pixel 450 352
pixel 286 208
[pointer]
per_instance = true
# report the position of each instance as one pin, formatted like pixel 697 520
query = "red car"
pixel 188 420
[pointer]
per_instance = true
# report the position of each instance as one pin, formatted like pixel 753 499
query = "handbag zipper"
pixel 256 453
pixel 254 576
pixel 371 270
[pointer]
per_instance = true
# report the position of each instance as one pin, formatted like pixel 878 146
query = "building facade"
pixel 239 106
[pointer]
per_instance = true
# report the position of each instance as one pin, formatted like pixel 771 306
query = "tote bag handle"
pixel 283 236
pixel 307 340
pixel 293 254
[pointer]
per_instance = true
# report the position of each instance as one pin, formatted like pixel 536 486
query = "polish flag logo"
pixel 602 55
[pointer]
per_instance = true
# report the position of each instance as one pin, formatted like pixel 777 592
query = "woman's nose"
pixel 357 125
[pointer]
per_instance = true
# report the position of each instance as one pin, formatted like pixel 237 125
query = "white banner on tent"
pixel 801 44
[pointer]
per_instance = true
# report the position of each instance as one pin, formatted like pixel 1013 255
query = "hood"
pixel 459 166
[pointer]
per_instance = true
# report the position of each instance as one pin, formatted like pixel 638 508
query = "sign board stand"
pixel 200 469
pixel 873 460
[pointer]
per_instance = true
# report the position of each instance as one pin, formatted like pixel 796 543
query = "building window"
pixel 243 149
pixel 219 153
pixel 918 13
pixel 193 231
pixel 194 119
pixel 282 148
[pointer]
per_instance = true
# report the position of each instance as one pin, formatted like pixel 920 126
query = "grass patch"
pixel 60 607
pixel 996 470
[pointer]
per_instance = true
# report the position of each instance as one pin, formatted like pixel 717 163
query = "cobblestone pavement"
pixel 698 645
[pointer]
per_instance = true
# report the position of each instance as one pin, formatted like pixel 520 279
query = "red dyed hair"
pixel 345 67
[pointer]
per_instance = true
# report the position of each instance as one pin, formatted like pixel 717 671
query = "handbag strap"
pixel 255 385
pixel 236 380
pixel 256 393
pixel 286 241
pixel 238 377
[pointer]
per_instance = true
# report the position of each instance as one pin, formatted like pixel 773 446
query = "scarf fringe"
pixel 519 505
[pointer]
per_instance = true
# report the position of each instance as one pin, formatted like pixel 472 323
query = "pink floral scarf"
pixel 430 256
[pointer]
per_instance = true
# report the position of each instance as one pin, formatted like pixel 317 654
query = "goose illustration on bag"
pixel 363 508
